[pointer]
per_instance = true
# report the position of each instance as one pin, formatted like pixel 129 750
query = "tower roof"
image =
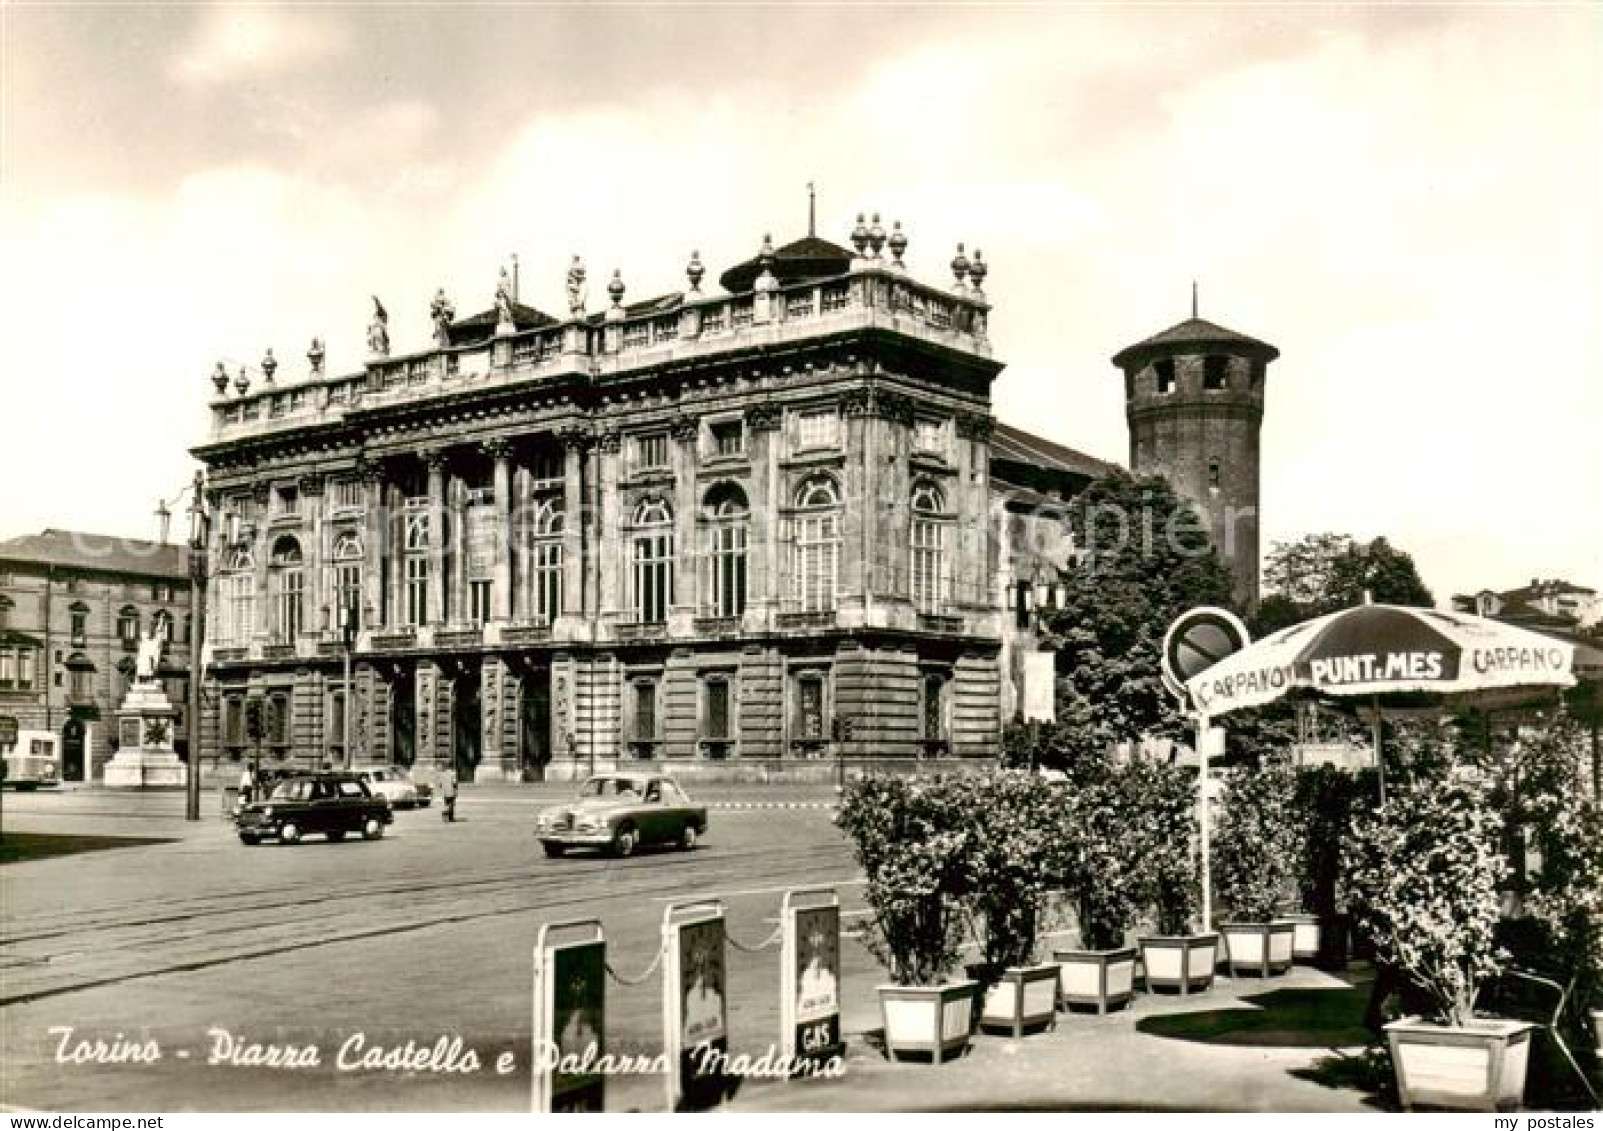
pixel 1194 335
pixel 807 258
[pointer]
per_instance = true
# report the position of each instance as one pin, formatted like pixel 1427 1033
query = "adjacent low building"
pixel 73 607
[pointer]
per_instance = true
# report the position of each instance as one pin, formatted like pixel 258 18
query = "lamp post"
pixel 199 536
pixel 350 615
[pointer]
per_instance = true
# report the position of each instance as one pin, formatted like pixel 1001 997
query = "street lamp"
pixel 199 536
pixel 351 617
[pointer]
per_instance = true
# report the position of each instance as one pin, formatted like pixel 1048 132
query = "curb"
pixel 771 805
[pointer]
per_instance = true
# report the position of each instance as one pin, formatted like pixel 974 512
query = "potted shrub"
pixel 1253 861
pixel 1011 868
pixel 1323 802
pixel 1176 957
pixel 914 848
pixel 1104 830
pixel 1426 870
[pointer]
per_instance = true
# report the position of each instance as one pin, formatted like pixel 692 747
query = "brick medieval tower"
pixel 1194 398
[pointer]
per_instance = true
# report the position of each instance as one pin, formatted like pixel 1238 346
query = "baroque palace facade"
pixel 730 531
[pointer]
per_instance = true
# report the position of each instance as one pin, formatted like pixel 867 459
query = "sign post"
pixel 1196 641
pixel 809 978
pixel 569 1032
pixel 695 992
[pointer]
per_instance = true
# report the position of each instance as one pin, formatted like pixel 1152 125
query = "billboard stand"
pixel 695 1006
pixel 809 979
pixel 569 1033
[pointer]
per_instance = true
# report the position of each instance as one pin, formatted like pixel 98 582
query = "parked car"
pixel 393 784
pixel 331 804
pixel 621 812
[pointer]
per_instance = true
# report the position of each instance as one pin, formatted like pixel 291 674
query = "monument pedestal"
pixel 145 758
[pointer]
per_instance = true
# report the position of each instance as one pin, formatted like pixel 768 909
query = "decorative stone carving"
pixel 503 304
pixel 314 357
pixel 897 244
pixel 960 266
pixel 694 272
pixel 974 426
pixel 576 436
pixel 434 458
pixel 311 486
pixel 615 290
pixel 860 237
pixel 378 330
pixel 856 402
pixel 242 382
pixel 442 312
pixel 261 492
pixel 269 366
pixel 609 440
pixel 685 428
pixel 578 293
pixel 220 379
pixel 498 447
pixel 893 406
pixel 977 271
pixel 876 237
pixel 763 417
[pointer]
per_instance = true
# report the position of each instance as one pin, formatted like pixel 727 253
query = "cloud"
pixel 239 42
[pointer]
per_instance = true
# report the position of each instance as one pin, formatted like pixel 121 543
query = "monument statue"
pixel 576 289
pixel 442 312
pixel 148 658
pixel 503 300
pixel 378 331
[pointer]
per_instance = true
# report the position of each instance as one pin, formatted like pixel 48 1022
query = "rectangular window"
pixel 348 583
pixel 348 494
pixel 233 721
pixel 651 451
pixel 653 577
pixel 1214 373
pixel 547 581
pixel 717 712
pixel 8 669
pixel 728 438
pixel 817 428
pixel 82 684
pixel 278 726
pixel 336 722
pixel 80 621
pixel 645 711
pixel 547 470
pixel 289 500
pixel 1165 373
pixel 25 669
pixel 934 707
pixel 479 601
pixel 810 725
pixel 417 589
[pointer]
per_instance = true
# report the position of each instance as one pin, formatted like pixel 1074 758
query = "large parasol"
pixel 1374 650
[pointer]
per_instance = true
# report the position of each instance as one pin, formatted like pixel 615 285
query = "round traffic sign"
pixel 1196 641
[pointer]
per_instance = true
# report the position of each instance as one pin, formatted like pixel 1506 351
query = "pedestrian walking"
pixel 448 795
pixel 247 786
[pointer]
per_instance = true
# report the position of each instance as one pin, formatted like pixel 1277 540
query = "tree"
pixel 1143 557
pixel 1321 573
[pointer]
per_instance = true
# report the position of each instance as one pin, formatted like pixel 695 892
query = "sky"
pixel 1406 200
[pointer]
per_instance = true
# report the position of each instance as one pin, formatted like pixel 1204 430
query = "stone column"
pixel 426 700
pixel 456 610
pixel 575 442
pixel 319 553
pixel 610 584
pixel 685 431
pixel 763 579
pixel 435 459
pixel 263 551
pixel 375 556
pixel 501 596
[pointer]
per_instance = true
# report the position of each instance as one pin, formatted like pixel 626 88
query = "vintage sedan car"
pixel 621 812
pixel 331 804
pixel 393 784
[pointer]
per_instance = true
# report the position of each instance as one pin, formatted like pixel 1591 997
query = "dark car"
pixel 330 804
pixel 621 812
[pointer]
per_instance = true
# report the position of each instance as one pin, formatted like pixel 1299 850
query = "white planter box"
pixel 1477 1068
pixel 1258 948
pixel 1597 1031
pixel 1101 978
pixel 1179 962
pixel 1305 936
pixel 927 1019
pixel 1025 997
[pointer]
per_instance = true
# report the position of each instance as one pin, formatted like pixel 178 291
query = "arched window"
pixel 417 567
pixel 286 584
pixel 128 626
pixel 549 523
pixel 237 598
pixel 653 561
pixel 728 520
pixel 348 558
pixel 80 622
pixel 927 537
pixel 816 571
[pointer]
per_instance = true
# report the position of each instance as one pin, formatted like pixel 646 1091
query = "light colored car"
pixel 392 783
pixel 621 812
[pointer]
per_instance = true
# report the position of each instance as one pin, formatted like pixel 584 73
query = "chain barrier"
pixel 779 933
pixel 650 970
